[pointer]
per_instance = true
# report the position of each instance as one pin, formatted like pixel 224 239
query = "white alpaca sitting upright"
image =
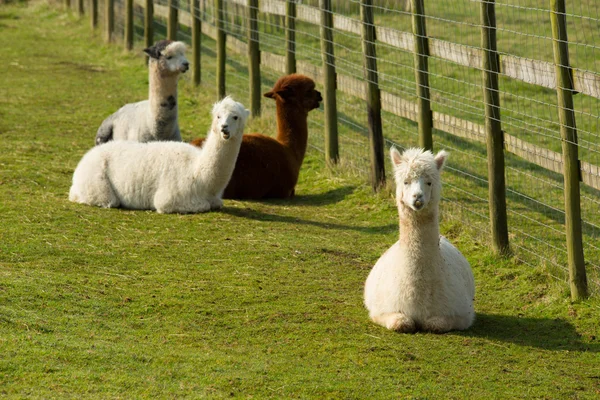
pixel 422 282
pixel 169 177
pixel 155 118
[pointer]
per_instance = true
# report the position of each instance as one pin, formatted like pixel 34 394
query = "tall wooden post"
pixel 494 135
pixel 290 36
pixel 196 42
pixel 173 20
pixel 109 17
pixel 421 55
pixel 219 23
pixel 80 8
pixel 568 133
pixel 149 23
pixel 129 24
pixel 254 57
pixel 329 99
pixel 373 95
pixel 94 13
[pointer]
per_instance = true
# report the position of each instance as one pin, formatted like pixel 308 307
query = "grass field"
pixel 259 300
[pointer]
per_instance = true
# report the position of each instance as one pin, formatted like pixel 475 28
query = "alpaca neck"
pixel 217 161
pixel 162 92
pixel 420 236
pixel 292 129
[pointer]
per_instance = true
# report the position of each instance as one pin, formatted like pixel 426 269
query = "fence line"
pixel 224 21
pixel 463 128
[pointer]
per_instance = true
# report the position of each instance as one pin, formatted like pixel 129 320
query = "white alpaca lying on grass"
pixel 155 118
pixel 422 282
pixel 168 177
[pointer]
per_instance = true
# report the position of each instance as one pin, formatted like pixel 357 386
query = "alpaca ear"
pixel 246 114
pixel 152 52
pixel 282 94
pixel 440 159
pixel 395 156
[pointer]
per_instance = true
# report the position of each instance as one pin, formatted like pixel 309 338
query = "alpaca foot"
pixel 215 203
pixel 395 322
pixel 440 324
pixel 199 207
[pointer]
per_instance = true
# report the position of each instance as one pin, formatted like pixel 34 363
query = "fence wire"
pixel 528 99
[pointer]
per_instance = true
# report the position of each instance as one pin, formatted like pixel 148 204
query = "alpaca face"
pixel 170 57
pixel 417 175
pixel 229 118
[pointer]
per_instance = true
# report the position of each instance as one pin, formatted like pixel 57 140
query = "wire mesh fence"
pixel 527 90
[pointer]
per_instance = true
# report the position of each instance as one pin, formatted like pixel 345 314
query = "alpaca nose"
pixel 225 128
pixel 418 200
pixel 186 66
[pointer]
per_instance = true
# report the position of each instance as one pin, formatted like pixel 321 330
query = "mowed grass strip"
pixel 261 299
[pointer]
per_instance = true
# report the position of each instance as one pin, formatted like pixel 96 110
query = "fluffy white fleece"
pixel 422 282
pixel 169 177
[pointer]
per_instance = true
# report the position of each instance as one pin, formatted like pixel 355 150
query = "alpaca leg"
pixel 462 322
pixel 215 203
pixel 198 206
pixel 395 322
pixel 442 324
pixel 97 192
pixel 164 202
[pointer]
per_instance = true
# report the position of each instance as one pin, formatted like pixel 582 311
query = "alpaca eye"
pixel 168 58
pixel 235 117
pixel 218 117
pixel 406 182
pixel 429 183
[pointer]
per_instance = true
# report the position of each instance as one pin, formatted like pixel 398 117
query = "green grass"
pixel 261 299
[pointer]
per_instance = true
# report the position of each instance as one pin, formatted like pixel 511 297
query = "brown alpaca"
pixel 268 167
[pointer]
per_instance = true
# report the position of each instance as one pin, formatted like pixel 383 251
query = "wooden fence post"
pixel 94 14
pixel 80 8
pixel 290 36
pixel 67 4
pixel 173 20
pixel 421 55
pixel 219 23
pixel 373 95
pixel 329 99
pixel 109 17
pixel 254 57
pixel 568 133
pixel 149 24
pixel 129 24
pixel 196 42
pixel 493 129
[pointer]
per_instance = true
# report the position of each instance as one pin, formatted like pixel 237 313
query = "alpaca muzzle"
pixel 318 100
pixel 225 132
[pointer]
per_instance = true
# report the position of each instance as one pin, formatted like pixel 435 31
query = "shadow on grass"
pixel 319 199
pixel 262 216
pixel 543 333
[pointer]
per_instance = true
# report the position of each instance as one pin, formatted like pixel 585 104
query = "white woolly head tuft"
pixel 229 118
pixel 175 49
pixel 417 176
pixel 168 57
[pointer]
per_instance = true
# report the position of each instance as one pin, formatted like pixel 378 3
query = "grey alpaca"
pixel 156 118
